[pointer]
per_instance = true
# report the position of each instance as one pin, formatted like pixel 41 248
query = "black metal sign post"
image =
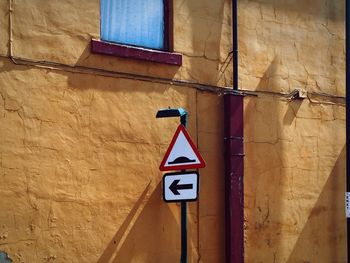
pixel 183 120
pixel 181 187
pixel 168 113
pixel 183 232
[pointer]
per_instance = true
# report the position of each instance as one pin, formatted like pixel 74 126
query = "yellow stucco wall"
pixel 80 152
pixel 80 148
pixel 295 150
pixel 61 31
pixel 79 169
pixel 294 181
pixel 293 44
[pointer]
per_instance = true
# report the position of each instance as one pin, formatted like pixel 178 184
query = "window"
pixel 139 29
pixel 133 22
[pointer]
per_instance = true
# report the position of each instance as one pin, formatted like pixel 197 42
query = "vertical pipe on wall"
pixel 234 168
pixel 234 160
pixel 235 44
pixel 347 35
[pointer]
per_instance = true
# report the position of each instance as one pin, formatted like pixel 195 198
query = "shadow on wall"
pixel 263 173
pixel 290 197
pixel 111 248
pixel 323 228
pixel 293 29
pixel 150 238
pixel 144 235
pixel 266 123
pixel 268 80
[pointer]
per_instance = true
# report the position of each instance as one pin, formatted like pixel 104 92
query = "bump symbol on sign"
pixel 182 159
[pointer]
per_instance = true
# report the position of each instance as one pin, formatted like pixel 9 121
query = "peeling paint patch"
pixel 4 258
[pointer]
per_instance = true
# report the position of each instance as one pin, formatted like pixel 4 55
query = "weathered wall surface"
pixel 294 181
pixel 201 34
pixel 79 152
pixel 211 203
pixel 4 28
pixel 292 44
pixel 295 150
pixel 79 169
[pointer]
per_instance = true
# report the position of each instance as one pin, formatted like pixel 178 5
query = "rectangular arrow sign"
pixel 182 186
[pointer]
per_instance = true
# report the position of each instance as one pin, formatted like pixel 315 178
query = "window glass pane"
pixel 133 22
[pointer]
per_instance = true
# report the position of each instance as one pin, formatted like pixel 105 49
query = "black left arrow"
pixel 175 186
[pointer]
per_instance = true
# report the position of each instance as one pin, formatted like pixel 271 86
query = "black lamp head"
pixel 173 112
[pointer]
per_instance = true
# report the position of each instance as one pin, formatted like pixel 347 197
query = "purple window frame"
pixel 166 56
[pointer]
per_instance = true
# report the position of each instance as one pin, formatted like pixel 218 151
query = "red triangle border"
pixel 201 163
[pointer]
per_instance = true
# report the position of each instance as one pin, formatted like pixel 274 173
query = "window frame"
pixel 168 25
pixel 165 56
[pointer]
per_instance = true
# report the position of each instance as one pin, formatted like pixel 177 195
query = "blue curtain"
pixel 133 22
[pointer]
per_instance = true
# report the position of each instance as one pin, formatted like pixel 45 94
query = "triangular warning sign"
pixel 182 154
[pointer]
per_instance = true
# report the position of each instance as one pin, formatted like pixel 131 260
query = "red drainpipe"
pixel 234 159
pixel 234 168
